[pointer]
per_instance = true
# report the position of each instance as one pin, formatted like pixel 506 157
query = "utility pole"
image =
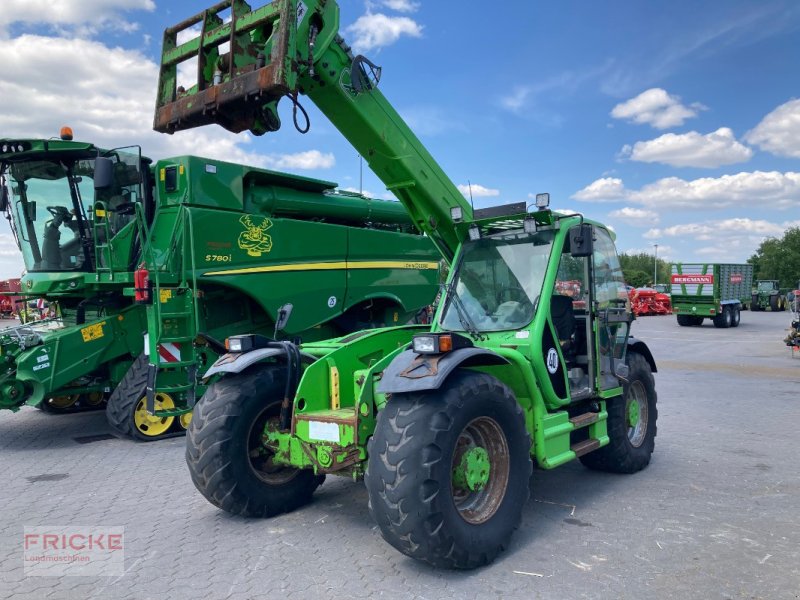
pixel 655 266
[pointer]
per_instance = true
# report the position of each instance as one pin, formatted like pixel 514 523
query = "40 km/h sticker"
pixel 93 332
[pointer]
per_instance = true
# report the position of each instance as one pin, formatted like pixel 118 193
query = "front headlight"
pixel 424 344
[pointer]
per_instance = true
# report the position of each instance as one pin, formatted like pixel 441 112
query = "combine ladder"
pixel 173 316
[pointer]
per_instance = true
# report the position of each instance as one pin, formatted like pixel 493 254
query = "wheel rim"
pixel 64 401
pixel 152 425
pixel 480 470
pixel 636 409
pixel 185 419
pixel 261 459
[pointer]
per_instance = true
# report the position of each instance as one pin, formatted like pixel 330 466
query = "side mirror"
pixel 31 211
pixel 581 241
pixel 3 197
pixel 284 312
pixel 103 173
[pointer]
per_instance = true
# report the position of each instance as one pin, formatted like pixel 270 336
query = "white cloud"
pixel 637 217
pixel 764 190
pixel 779 131
pixel 401 5
pixel 708 230
pixel 310 159
pixel 731 240
pixel 376 30
pixel 516 99
pixel 49 82
pixel 85 16
pixel 657 108
pixel 758 190
pixel 605 189
pixel 691 149
pixel 664 252
pixel 478 191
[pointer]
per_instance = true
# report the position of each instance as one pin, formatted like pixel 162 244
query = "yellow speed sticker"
pixel 164 295
pixel 93 332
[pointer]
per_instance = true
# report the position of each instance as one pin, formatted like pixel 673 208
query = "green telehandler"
pixel 443 422
pixel 181 253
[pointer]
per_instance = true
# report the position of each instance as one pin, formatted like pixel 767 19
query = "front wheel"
pixel 224 452
pixel 448 471
pixel 631 423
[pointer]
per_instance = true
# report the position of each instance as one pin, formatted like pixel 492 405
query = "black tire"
pixel 410 475
pixel 124 400
pixel 774 303
pixel 754 303
pixel 723 319
pixel 226 425
pixel 685 320
pixel 630 448
pixel 697 321
pixel 736 317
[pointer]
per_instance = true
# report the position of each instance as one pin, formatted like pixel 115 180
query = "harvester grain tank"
pixel 710 291
pixel 444 422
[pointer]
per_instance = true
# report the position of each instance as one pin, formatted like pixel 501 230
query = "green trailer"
pixel 230 245
pixel 767 294
pixel 710 291
pixel 444 422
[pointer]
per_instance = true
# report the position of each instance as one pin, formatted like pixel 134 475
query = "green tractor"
pixel 228 247
pixel 443 422
pixel 768 295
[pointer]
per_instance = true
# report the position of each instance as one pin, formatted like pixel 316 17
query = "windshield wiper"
pixel 463 315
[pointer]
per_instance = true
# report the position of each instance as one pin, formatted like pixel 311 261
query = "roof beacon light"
pixel 66 133
pixel 542 201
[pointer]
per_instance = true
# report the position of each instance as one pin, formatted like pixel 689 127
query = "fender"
pixel 640 347
pixel 412 372
pixel 236 362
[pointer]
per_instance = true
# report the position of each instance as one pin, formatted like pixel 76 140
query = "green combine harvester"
pixel 182 253
pixel 444 422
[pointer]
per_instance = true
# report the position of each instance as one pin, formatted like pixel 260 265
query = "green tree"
pixel 639 269
pixel 779 258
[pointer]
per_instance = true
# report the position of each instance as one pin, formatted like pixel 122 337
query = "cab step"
pixel 585 419
pixel 585 447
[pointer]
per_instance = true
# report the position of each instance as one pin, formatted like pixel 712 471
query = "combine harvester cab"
pixel 710 291
pixel 79 244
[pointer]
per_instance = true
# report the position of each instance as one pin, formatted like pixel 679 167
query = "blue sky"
pixel 677 123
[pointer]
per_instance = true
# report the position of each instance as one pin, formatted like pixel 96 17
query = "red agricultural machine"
pixel 647 301
pixel 10 299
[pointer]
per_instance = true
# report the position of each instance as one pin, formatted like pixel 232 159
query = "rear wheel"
pixel 127 407
pixel 723 319
pixel 448 471
pixel 685 320
pixel 631 423
pixel 736 317
pixel 697 321
pixel 225 454
pixel 774 303
pixel 754 303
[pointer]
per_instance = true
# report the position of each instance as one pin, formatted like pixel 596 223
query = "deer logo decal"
pixel 254 238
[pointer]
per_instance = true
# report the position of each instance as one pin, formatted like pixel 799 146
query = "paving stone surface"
pixel 714 516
